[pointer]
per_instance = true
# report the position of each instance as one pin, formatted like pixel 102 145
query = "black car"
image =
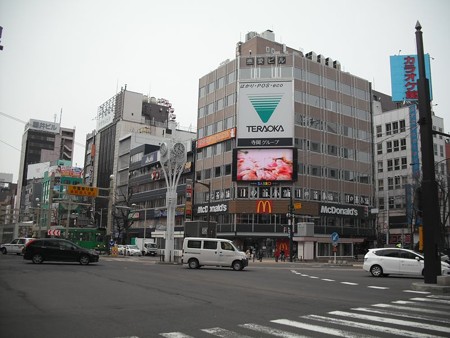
pixel 58 250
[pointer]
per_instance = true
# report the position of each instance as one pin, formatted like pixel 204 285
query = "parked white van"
pixel 198 252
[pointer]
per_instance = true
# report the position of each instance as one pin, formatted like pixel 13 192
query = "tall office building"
pixel 398 172
pixel 42 141
pixel 277 128
pixel 124 122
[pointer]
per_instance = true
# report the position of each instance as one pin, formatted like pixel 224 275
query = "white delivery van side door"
pixel 209 254
pixel 227 254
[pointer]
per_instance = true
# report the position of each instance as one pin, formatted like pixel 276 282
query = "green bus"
pixel 89 238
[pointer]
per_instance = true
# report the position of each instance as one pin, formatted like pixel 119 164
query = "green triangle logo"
pixel 265 105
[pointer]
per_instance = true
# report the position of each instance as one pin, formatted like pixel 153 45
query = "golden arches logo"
pixel 264 207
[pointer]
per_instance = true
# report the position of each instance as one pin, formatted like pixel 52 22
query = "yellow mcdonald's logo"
pixel 264 207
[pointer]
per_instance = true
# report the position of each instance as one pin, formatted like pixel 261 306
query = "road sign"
pixel 297 205
pixel 334 237
pixel 54 232
pixel 82 190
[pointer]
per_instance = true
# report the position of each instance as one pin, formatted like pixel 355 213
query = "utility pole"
pixel 429 185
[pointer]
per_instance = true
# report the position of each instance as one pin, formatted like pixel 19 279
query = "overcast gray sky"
pixel 74 54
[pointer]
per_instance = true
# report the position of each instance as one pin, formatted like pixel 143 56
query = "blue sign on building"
pixel 404 76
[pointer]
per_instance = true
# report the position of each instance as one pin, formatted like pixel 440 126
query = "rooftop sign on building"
pixel 50 127
pixel 404 76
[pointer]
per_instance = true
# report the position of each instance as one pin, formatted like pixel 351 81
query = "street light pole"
pixel 208 185
pixel 429 185
pixel 173 159
pixel 110 206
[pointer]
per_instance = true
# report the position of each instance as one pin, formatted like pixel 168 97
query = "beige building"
pixel 277 128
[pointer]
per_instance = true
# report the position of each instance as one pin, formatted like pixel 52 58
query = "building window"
pixel 381 203
pixel 380 185
pixel 227 169
pixel 390 183
pixel 394 127
pixel 396 145
pixel 403 144
pixel 379 148
pixel 389 165
pixel 396 164
pixel 379 131
pixel 388 129
pixel 397 182
pixel 402 126
pixel 404 163
pixel 207 173
pixel 391 202
pixel 389 146
pixel 380 166
pixel 218 171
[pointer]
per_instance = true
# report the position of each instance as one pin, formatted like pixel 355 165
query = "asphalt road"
pixel 136 297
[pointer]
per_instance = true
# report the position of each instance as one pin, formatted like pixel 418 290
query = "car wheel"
pixel 37 259
pixel 193 264
pixel 376 271
pixel 237 265
pixel 84 260
pixel 4 251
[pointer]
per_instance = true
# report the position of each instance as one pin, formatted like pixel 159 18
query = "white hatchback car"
pixel 385 261
pixel 132 250
pixel 16 246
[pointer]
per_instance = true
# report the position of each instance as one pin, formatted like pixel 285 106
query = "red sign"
pixel 54 232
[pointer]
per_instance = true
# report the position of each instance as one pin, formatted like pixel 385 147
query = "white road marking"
pixel 328 280
pixel 392 321
pixel 349 283
pixel 372 327
pixel 271 331
pixel 403 315
pixel 378 287
pixel 420 292
pixel 414 309
pixel 219 332
pixel 317 328
pixel 437 301
pixel 175 335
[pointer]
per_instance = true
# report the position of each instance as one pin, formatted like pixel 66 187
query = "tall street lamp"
pixel 208 185
pixel 173 159
pixel 110 206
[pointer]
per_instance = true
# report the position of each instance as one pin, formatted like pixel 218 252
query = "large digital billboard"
pixel 265 116
pixel 259 165
pixel 404 76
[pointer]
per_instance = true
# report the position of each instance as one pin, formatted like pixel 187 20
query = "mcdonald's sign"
pixel 264 207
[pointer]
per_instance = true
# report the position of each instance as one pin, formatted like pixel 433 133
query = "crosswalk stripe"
pixel 175 335
pixel 271 331
pixel 219 332
pixel 392 321
pixel 403 315
pixel 378 287
pixel 438 297
pixel 414 309
pixel 432 300
pixel 371 327
pixel 317 328
pixel 420 292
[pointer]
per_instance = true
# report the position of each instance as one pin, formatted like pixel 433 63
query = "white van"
pixel 198 252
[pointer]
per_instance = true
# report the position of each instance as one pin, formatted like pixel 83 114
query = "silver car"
pixel 16 246
pixel 385 261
